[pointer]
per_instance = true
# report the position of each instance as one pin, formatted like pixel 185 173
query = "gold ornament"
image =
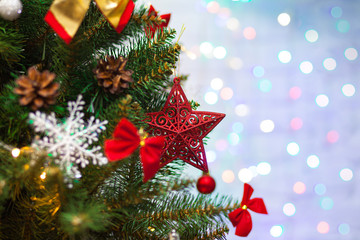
pixel 65 16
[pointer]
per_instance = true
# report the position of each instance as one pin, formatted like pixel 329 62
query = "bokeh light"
pixel 284 19
pixel 237 127
pixel 348 90
pixel 344 228
pixel 296 123
pixel 233 139
pixel 226 93
pixel 258 71
pixel 15 152
pixel 311 35
pixel 43 175
pixel 306 67
pixel 263 168
pixel 253 170
pixel 295 92
pixel 213 7
pixel 191 55
pixel 323 227
pixel 332 136
pixel 235 63
pixel 284 56
pixel 210 98
pixel 322 100
pixel 245 175
pixel 267 126
pixel 329 64
pixel 351 54
pixel 289 209
pixel 293 148
pixel 320 189
pixel 224 13
pixel 336 12
pixel 299 187
pixel 249 33
pixel 228 176
pixel 219 52
pixel 221 145
pixel 276 231
pixel 264 85
pixel 326 203
pixel 206 48
pixel 346 174
pixel 210 156
pixel 242 110
pixel 313 161
pixel 216 83
pixel 343 26
pixel 233 24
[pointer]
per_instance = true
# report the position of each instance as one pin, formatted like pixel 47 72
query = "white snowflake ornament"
pixel 68 142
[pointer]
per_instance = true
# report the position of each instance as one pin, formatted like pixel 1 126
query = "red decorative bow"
pixel 152 29
pixel 127 139
pixel 241 218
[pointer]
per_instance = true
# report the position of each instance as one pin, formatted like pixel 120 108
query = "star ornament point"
pixel 183 129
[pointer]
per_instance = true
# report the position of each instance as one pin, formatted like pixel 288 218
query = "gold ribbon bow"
pixel 65 16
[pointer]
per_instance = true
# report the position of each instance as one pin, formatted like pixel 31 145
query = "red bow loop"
pixel 126 131
pixel 152 11
pixel 235 216
pixel 166 17
pixel 248 191
pixel 257 205
pixel 152 29
pixel 127 139
pixel 241 218
pixel 150 156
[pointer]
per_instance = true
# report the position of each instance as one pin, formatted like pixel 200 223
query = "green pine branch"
pixel 111 201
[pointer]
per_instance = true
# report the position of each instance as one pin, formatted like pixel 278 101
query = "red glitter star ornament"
pixel 183 129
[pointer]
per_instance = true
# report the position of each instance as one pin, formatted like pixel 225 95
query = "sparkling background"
pixel 286 74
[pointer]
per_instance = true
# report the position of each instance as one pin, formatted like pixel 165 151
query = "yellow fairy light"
pixel 43 175
pixel 151 228
pixel 26 167
pixel 143 135
pixel 244 207
pixel 15 152
pixel 77 221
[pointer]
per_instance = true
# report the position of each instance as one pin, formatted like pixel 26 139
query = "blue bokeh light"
pixel 258 71
pixel 320 189
pixel 264 85
pixel 344 228
pixel 326 203
pixel 343 26
pixel 336 12
pixel 237 127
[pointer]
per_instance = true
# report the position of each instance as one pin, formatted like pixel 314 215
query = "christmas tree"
pixel 66 95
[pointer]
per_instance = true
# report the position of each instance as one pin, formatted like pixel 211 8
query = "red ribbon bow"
pixel 166 17
pixel 241 218
pixel 127 139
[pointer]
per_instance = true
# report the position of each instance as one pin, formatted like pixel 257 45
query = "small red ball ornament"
pixel 206 184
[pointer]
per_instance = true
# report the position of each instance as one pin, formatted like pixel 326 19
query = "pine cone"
pixel 112 75
pixel 37 89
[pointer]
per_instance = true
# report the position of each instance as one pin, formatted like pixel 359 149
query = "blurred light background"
pixel 286 73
